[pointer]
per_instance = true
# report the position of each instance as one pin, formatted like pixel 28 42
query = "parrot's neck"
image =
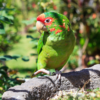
pixel 66 36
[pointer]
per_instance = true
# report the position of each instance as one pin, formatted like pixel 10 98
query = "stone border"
pixel 43 88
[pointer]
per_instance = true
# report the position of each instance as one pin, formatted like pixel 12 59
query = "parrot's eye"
pixel 47 20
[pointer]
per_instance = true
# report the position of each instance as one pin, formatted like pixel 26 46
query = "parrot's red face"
pixel 42 22
pixel 52 23
pixel 45 21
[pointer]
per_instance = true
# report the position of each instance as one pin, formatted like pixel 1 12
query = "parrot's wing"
pixel 40 44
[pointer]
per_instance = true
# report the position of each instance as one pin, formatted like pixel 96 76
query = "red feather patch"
pixel 58 31
pixel 62 25
pixel 52 29
pixel 68 29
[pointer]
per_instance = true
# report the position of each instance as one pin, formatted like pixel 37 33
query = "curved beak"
pixel 40 26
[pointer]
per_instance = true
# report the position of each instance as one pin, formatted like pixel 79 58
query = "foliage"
pixel 78 95
pixel 84 17
pixel 73 60
pixel 7 38
pixel 8 79
pixel 7 35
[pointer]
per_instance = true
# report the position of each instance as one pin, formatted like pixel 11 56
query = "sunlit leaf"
pixel 34 42
pixel 5 20
pixel 2 58
pixel 28 22
pixel 91 62
pixel 82 41
pixel 97 89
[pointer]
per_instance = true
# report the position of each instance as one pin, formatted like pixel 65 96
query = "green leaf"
pixel 91 62
pixel 16 56
pixel 1 1
pixel 8 57
pixel 29 36
pixel 5 20
pixel 25 58
pixel 82 41
pixel 2 58
pixel 33 39
pixel 5 57
pixel 28 22
pixel 33 54
pixel 34 47
pixel 9 9
pixel 1 82
pixel 97 89
pixel 90 44
pixel 89 90
pixel 4 68
pixel 4 74
pixel 2 30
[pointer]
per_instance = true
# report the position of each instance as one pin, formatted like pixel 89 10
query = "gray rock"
pixel 43 88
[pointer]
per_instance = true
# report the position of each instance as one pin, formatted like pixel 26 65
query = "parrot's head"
pixel 52 22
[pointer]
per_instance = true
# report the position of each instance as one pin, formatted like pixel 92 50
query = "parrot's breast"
pixel 58 50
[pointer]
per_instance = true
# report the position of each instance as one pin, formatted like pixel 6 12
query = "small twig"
pixel 82 89
pixel 85 45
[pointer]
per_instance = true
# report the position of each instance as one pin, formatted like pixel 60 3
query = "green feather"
pixel 40 44
pixel 42 41
pixel 55 48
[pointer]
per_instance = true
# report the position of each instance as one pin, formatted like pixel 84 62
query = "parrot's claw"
pixel 58 76
pixel 42 71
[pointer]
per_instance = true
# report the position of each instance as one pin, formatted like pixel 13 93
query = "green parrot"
pixel 56 43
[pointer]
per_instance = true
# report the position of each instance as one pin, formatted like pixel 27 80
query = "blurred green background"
pixel 19 37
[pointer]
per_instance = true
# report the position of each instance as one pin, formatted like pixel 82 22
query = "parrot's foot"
pixel 57 73
pixel 58 76
pixel 42 71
